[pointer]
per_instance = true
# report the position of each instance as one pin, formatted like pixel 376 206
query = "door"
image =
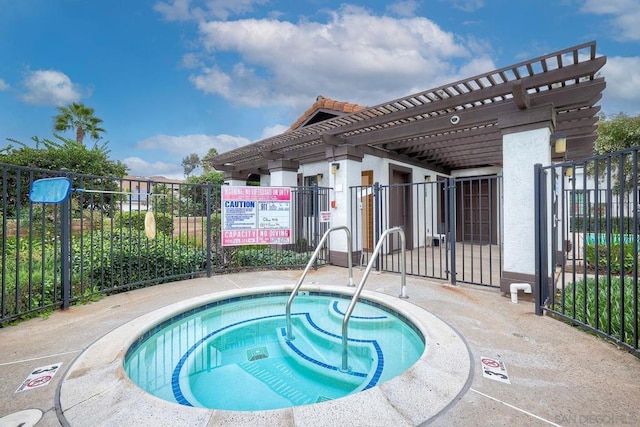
pixel 477 203
pixel 400 206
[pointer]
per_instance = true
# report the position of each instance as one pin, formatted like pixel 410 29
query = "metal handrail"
pixel 354 299
pixel 310 263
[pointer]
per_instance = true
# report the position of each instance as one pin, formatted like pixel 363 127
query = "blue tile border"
pixel 337 310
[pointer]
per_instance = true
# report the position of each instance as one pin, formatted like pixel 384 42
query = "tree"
pixel 616 133
pixel 80 118
pixel 66 154
pixel 190 163
pixel 207 166
pixel 214 178
pixel 197 192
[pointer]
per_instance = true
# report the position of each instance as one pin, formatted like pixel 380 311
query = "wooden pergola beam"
pixel 422 122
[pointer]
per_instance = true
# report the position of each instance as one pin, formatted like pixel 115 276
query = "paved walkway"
pixel 558 374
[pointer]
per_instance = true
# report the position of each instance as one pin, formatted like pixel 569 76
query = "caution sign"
pixel 39 377
pixel 494 369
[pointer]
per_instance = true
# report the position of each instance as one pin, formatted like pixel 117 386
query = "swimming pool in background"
pixel 233 354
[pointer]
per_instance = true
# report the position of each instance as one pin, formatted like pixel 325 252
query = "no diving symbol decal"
pixel 39 381
pixel 39 377
pixel 490 363
pixel 494 369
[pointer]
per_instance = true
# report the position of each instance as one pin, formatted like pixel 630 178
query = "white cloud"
pixel 354 51
pixel 467 5
pixel 3 85
pixel 50 87
pixel 181 146
pixel 178 10
pixel 185 10
pixel 622 75
pixel 141 167
pixel 625 16
pixel 614 7
pixel 224 8
pixel 191 60
pixel 178 147
pixel 479 65
pixel 270 131
pixel 403 7
pixel 212 81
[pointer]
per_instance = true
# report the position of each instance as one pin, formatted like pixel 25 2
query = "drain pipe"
pixel 515 287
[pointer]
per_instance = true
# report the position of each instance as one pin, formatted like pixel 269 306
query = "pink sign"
pixel 256 215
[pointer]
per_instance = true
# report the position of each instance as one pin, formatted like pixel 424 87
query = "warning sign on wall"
pixel 325 216
pixel 256 215
pixel 39 377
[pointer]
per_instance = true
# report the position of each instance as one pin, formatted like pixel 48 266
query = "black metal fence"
pixel 55 255
pixel 452 227
pixel 589 217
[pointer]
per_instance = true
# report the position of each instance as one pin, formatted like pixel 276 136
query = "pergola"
pixel 452 127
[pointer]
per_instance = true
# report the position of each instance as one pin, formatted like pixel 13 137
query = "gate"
pixel 452 227
pixel 587 220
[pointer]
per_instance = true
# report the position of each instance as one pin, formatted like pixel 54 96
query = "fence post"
pixel 316 220
pixel 209 236
pixel 451 218
pixel 65 246
pixel 541 247
pixel 377 223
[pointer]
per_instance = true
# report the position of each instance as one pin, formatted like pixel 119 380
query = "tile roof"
pixel 337 108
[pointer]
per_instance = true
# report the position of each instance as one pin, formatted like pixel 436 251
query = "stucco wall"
pixel 521 151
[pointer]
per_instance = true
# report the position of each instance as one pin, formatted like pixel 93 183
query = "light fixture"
pixel 559 141
pixel 427 178
pixel 319 177
pixel 568 172
pixel 334 168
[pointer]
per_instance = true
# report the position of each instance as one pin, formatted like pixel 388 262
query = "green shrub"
pixel 266 257
pixel 216 220
pixel 122 258
pixel 582 296
pixel 614 263
pixel 197 240
pixel 33 271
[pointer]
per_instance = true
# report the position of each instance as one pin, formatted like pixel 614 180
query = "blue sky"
pixel 175 77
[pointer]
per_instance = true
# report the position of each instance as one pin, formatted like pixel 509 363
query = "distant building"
pixel 141 187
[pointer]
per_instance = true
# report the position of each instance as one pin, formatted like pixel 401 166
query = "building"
pixel 498 124
pixel 141 188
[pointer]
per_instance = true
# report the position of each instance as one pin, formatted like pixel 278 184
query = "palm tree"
pixel 79 117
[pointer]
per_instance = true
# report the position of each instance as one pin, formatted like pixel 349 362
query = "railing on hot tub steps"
pixel 358 291
pixel 294 292
pixel 318 350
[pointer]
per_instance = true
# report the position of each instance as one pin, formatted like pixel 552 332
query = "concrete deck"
pixel 559 375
